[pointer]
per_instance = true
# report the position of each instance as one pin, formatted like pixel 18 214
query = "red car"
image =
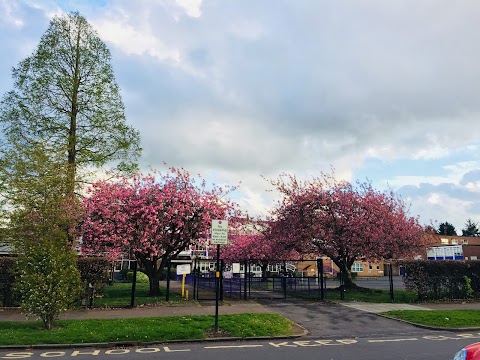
pixel 470 352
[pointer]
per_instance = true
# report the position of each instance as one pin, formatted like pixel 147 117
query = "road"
pixel 433 346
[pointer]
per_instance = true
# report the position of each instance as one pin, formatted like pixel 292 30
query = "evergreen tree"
pixel 446 229
pixel 471 228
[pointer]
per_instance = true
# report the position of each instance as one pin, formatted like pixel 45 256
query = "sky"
pixel 241 91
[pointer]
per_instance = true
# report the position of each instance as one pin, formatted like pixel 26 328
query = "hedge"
pixel 93 270
pixel 7 279
pixel 443 280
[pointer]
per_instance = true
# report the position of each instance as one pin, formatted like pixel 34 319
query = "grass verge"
pixel 365 295
pixel 143 329
pixel 439 318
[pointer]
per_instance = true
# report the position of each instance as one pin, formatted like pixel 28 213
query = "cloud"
pixel 192 7
pixel 242 91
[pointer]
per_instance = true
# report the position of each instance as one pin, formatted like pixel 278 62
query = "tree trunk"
pixel 154 285
pixel 346 273
pixel 347 279
pixel 264 269
pixel 151 270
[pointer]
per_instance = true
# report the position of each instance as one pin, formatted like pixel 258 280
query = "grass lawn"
pixel 439 318
pixel 143 329
pixel 374 295
pixel 365 295
pixel 119 294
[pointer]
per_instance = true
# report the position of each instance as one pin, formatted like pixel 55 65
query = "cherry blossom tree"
pixel 153 216
pixel 344 221
pixel 253 242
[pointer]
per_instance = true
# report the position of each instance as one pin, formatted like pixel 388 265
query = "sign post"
pixel 183 270
pixel 219 237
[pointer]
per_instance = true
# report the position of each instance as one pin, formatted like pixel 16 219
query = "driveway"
pixel 324 319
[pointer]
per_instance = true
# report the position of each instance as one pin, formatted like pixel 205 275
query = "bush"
pixel 94 271
pixel 444 279
pixel 49 280
pixel 141 277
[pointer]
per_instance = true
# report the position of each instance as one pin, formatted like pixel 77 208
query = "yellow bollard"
pixel 186 295
pixel 183 284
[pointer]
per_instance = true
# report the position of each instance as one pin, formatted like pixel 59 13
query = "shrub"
pixel 49 280
pixel 442 280
pixel 94 271
pixel 141 277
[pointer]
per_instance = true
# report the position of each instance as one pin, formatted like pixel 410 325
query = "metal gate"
pixel 258 279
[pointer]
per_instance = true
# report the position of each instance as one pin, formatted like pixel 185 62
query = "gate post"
pixel 320 275
pixel 222 264
pixel 245 280
pixel 390 278
pixel 195 274
pixel 284 279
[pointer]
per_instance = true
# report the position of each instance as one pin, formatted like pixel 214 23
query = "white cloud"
pixel 191 7
pixel 8 10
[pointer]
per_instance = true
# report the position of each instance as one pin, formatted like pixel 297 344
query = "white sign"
pixel 183 269
pixel 236 268
pixel 219 232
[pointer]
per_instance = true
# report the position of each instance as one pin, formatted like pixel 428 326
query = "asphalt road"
pixel 328 320
pixel 428 347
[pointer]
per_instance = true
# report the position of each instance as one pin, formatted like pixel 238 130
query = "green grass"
pixel 439 318
pixel 142 329
pixel 364 295
pixel 375 295
pixel 119 294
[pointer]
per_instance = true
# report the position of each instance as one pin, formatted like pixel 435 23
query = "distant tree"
pixel 154 217
pixel 471 228
pixel 446 229
pixel 345 222
pixel 66 93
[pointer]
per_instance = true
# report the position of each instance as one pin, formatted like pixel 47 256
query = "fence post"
pixel 134 284
pixel 342 284
pixel 284 279
pixel 245 280
pixel 222 264
pixel 320 274
pixel 390 278
pixel 169 265
pixel 195 274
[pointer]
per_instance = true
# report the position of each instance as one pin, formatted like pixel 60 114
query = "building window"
pixel 444 241
pixel 473 258
pixel 454 242
pixel 356 267
pixel 464 242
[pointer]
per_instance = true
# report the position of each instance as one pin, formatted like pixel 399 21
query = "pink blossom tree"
pixel 154 217
pixel 345 222
pixel 253 242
